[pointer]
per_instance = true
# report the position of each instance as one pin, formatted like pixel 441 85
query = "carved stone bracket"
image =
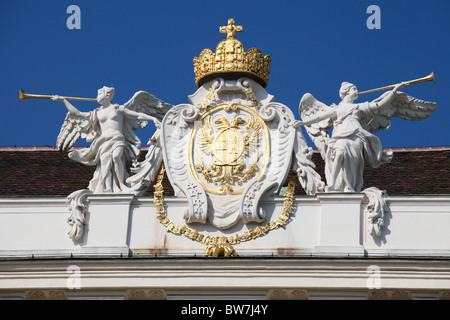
pixel 375 210
pixel 78 206
pixel 249 204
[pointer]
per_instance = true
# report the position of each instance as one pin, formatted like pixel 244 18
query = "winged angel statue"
pixel 352 143
pixel 110 131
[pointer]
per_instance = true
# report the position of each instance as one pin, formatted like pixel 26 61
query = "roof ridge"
pixel 418 149
pixel 411 149
pixel 48 148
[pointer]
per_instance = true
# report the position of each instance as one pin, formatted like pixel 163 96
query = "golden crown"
pixel 231 61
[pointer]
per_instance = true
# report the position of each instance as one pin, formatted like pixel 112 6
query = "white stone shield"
pixel 226 150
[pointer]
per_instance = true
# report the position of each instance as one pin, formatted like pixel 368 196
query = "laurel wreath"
pixel 221 244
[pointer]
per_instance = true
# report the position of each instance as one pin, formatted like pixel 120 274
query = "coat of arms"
pixel 227 148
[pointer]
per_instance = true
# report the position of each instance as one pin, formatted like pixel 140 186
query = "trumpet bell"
pixel 21 95
pixel 429 77
pixel 432 77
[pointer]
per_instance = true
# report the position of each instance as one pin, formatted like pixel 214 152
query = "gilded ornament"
pixel 230 58
pixel 222 245
pixel 226 150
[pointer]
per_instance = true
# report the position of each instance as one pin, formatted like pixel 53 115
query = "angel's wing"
pixel 402 106
pixel 72 129
pixel 147 103
pixel 310 108
pixel 204 135
pixel 252 136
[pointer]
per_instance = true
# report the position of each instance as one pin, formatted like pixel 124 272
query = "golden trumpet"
pixel 24 95
pixel 430 77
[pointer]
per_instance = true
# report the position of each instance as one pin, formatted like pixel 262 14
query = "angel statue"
pixel 109 130
pixel 351 143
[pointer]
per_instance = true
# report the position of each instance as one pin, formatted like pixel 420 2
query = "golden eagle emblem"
pixel 232 145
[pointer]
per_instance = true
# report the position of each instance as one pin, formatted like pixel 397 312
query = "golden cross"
pixel 230 29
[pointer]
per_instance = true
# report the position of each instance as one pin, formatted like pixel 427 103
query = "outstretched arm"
pixel 140 115
pixel 317 118
pixel 387 99
pixel 70 107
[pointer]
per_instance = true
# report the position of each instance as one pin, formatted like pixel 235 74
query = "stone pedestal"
pixel 340 224
pixel 107 225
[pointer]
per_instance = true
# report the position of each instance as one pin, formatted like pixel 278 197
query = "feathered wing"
pixel 310 108
pixel 252 136
pixel 73 128
pixel 147 103
pixel 401 106
pixel 204 135
pixel 145 172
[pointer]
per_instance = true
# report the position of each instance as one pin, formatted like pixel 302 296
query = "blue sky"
pixel 149 45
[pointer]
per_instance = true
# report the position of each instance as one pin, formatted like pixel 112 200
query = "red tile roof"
pixel 47 172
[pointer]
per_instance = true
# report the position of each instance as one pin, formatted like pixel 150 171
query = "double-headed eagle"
pixel 230 145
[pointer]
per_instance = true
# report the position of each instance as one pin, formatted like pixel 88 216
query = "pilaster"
pixel 340 224
pixel 107 225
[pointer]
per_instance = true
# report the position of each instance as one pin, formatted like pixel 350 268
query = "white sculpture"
pixel 351 144
pixel 109 129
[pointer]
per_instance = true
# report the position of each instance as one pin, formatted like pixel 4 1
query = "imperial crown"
pixel 231 61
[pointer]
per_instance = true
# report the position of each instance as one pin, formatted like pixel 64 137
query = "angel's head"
pixel 105 94
pixel 348 90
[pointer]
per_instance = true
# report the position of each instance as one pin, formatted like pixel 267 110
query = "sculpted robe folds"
pixel 351 143
pixel 102 146
pixel 356 145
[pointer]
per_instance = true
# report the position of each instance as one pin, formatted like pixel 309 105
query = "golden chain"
pixel 233 239
pixel 209 97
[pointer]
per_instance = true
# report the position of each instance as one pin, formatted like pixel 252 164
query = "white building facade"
pixel 228 201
